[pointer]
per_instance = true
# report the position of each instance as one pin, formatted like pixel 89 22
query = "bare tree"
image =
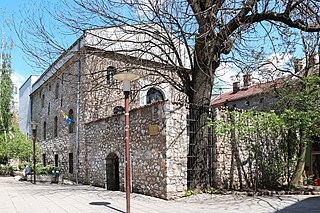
pixel 193 34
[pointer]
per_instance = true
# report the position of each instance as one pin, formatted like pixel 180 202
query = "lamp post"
pixel 34 138
pixel 126 78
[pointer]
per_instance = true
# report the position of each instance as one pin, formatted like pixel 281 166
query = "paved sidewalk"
pixel 25 197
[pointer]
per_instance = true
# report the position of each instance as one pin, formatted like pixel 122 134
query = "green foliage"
pixel 188 193
pixel 257 134
pixel 273 141
pixel 210 190
pixel 15 145
pixel 6 170
pixel 23 165
pixel 47 170
pixel 6 93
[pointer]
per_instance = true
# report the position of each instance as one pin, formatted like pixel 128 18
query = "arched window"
pixel 55 127
pixel 44 130
pixel 110 73
pixel 71 125
pixel 42 101
pixel 154 95
pixel 118 110
pixel 57 91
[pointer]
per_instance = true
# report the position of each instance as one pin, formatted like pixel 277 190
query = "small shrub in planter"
pixel 55 175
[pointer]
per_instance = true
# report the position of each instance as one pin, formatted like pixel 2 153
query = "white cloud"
pixel 17 79
pixel 272 68
pixel 225 76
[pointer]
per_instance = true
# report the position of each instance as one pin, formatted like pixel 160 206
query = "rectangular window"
pixel 57 91
pixel 44 130
pixel 56 160
pixel 42 101
pixel 71 163
pixel 55 127
pixel 44 160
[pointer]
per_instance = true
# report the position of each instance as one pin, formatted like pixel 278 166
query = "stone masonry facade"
pixel 159 162
pixel 159 170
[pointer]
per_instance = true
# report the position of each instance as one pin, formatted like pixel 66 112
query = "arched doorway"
pixel 112 172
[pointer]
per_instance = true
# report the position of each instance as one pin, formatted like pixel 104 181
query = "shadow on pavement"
pixel 311 204
pixel 106 204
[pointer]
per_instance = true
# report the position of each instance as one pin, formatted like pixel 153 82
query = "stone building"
pixel 257 96
pixel 90 149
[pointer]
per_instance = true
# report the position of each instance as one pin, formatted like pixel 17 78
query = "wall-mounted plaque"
pixel 153 129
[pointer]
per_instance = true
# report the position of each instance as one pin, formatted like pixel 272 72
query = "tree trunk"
pixel 296 177
pixel 199 98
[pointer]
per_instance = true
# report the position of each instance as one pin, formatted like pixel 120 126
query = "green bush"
pixel 46 170
pixel 23 165
pixel 41 170
pixel 189 192
pixel 6 170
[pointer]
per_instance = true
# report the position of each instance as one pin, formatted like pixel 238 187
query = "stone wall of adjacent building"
pixel 230 158
pixel 158 155
pixel 247 159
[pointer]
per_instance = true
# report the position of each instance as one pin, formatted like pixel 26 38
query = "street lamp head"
pixel 126 78
pixel 33 125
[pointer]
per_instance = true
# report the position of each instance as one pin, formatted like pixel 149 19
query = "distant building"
pixel 25 104
pixel 258 96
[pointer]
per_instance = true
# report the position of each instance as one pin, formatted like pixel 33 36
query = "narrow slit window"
pixel 56 160
pixel 110 74
pixel 71 163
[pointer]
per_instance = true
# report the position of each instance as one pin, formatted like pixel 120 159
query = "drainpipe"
pixel 77 111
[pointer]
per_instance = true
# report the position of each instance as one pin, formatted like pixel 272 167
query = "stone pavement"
pixel 24 197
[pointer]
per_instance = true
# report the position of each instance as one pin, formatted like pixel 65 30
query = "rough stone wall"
pixel 177 149
pixel 229 156
pixel 64 142
pixel 159 162
pixel 97 100
pixel 100 97
pixel 250 153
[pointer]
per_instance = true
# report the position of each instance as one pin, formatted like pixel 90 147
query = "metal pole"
pixel 78 111
pixel 126 94
pixel 34 135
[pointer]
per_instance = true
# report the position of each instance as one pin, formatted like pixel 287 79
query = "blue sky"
pixel 11 9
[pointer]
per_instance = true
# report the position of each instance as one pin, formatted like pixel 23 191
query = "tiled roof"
pixel 246 92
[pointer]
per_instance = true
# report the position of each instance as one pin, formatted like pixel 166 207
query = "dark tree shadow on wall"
pixel 311 204
pixel 106 204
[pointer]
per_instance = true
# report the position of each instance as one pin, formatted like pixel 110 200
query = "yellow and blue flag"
pixel 66 118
